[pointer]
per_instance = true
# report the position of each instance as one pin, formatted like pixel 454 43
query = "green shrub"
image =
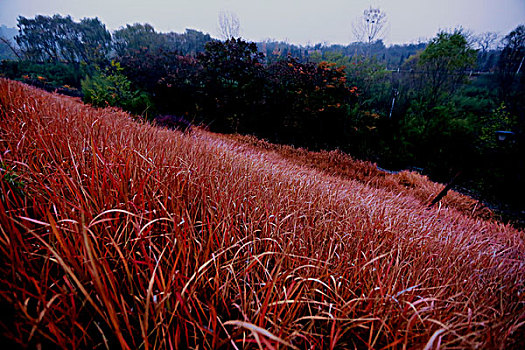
pixel 110 87
pixel 45 74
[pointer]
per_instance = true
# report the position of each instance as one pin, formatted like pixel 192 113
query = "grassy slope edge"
pixel 342 165
pixel 118 233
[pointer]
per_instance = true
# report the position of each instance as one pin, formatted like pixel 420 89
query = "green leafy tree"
pixel 512 56
pixel 233 78
pixel 510 69
pixel 58 38
pixel 94 40
pixel 37 38
pixel 444 63
pixel 191 42
pixel 173 80
pixel 137 37
pixel 309 103
pixel 374 82
pixel 436 130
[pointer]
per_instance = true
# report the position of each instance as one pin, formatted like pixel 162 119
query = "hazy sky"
pixel 295 21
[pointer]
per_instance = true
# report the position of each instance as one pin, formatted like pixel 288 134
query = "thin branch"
pixel 8 43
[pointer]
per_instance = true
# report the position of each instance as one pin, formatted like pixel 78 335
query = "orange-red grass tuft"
pixel 115 233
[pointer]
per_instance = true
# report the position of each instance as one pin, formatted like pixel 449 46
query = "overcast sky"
pixel 295 21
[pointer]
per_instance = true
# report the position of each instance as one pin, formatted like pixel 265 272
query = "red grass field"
pixel 119 234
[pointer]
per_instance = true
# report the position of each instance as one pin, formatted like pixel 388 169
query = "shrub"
pixel 110 87
pixel 47 75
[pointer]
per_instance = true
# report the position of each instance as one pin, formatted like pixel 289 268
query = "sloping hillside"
pixel 342 165
pixel 115 233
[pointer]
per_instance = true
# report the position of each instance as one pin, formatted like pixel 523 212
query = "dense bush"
pixel 52 75
pixel 309 103
pixel 233 81
pixel 110 87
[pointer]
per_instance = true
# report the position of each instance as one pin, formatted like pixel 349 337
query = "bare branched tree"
pixel 371 26
pixel 485 41
pixel 229 25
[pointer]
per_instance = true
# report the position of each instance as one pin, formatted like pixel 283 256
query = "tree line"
pixel 60 39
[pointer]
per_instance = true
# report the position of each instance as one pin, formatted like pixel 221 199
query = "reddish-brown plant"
pixel 116 233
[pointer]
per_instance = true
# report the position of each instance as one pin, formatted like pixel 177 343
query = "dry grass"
pixel 115 233
pixel 339 164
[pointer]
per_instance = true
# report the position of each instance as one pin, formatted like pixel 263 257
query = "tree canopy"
pixel 60 38
pixel 445 60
